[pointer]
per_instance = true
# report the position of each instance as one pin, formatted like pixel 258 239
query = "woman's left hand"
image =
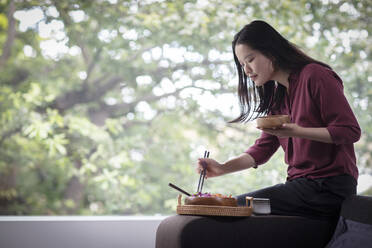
pixel 285 131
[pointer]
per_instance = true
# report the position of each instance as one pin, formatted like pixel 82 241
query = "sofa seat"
pixel 186 231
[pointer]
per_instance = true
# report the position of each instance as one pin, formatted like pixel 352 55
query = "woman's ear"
pixel 274 64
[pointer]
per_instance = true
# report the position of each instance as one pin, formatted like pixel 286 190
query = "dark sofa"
pixel 181 231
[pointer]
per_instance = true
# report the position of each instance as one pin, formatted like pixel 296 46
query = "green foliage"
pixel 122 97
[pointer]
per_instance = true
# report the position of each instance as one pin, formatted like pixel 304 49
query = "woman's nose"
pixel 247 69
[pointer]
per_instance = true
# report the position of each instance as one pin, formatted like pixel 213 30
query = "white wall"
pixel 78 231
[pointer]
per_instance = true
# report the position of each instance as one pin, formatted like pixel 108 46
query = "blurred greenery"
pixel 103 103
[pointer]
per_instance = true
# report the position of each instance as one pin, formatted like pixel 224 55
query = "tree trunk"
pixel 74 192
pixel 8 193
pixel 10 35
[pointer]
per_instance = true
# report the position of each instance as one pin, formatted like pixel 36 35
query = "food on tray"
pixel 272 121
pixel 211 199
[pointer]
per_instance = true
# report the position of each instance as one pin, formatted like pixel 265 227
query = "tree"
pixel 103 121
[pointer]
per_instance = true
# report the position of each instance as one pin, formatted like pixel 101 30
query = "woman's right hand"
pixel 214 168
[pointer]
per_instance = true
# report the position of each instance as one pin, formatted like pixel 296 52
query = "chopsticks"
pixel 202 174
pixel 180 190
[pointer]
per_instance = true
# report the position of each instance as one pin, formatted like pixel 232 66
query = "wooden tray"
pixel 215 210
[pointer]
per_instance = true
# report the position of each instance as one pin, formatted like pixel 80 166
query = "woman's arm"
pixel 259 153
pixel 326 89
pixel 242 162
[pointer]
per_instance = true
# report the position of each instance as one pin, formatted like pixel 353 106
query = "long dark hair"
pixel 254 100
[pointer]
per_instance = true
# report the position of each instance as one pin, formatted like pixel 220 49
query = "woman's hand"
pixel 288 130
pixel 214 168
pixel 285 131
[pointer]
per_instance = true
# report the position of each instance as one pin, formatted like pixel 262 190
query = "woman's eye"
pixel 250 60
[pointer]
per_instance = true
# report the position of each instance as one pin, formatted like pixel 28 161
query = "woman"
pixel 275 77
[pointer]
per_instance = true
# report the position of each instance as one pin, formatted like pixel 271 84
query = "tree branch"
pixel 121 109
pixel 9 134
pixel 68 21
pixel 93 63
pixel 130 124
pixel 70 99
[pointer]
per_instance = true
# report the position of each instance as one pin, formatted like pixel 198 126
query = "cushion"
pixel 350 234
pixel 254 231
pixel 354 228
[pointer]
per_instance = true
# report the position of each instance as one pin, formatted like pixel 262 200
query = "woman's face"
pixel 255 65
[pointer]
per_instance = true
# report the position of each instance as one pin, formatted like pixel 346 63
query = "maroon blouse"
pixel 315 99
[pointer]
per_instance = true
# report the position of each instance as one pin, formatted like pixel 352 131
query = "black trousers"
pixel 317 198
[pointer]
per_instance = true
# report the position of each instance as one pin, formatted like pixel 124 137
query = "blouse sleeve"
pixel 327 91
pixel 263 148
